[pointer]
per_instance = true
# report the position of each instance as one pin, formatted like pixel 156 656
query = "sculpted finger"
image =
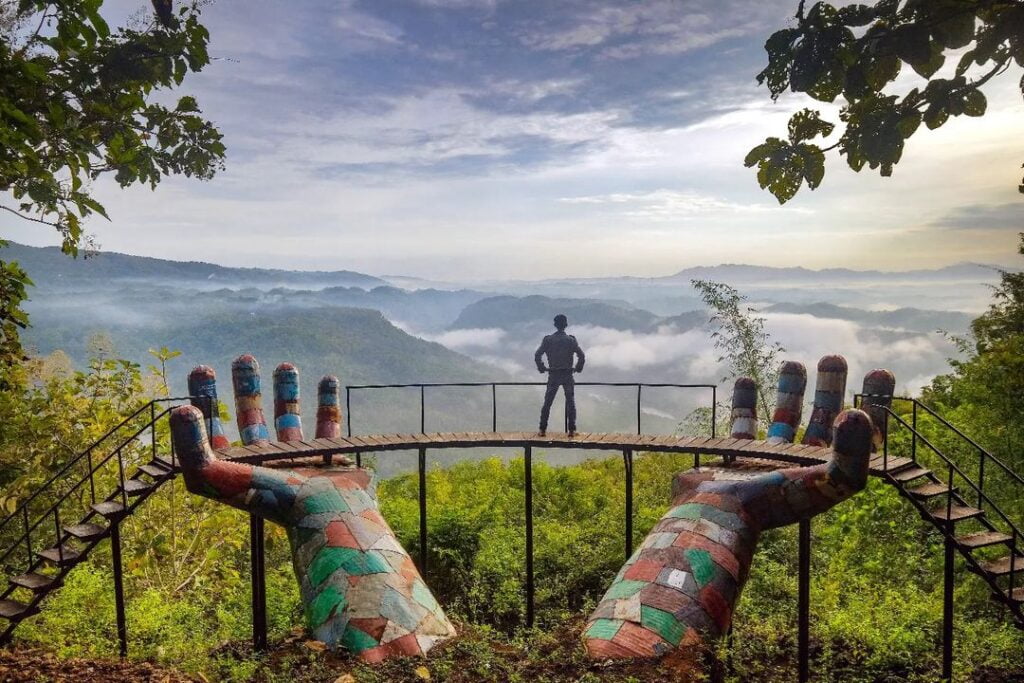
pixel 744 409
pixel 828 400
pixel 287 418
pixel 245 376
pixel 328 409
pixel 789 403
pixel 879 386
pixel 202 388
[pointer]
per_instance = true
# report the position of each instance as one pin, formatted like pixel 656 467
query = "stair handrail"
pixel 954 468
pixel 29 528
pixel 981 450
pixel 77 458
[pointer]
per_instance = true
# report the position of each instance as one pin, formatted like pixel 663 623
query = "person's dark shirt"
pixel 560 348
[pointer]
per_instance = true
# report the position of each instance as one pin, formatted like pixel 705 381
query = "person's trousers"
pixel 564 379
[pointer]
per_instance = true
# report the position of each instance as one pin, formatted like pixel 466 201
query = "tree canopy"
pixel 78 101
pixel 855 53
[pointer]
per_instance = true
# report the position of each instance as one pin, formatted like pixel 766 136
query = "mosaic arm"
pixel 681 585
pixel 359 587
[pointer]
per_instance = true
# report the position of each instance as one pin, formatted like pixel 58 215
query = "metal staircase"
pixel 957 504
pixel 38 548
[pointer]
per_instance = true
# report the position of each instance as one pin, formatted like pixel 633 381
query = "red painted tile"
pixel 644 570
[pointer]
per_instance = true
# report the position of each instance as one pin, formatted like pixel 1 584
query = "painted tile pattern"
pixel 328 409
pixel 878 389
pixel 287 419
pixel 789 404
pixel 828 400
pixel 202 384
pixel 245 376
pixel 360 589
pixel 744 409
pixel 680 586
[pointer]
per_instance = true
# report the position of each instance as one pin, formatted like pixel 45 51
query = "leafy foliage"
pixel 77 103
pixel 855 53
pixel 741 337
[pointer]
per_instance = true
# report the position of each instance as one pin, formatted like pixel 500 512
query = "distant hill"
pixel 512 313
pixel 740 273
pixel 915 319
pixel 50 268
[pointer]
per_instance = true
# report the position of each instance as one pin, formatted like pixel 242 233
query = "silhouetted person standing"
pixel 560 349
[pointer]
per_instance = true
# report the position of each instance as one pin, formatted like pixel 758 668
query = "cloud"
pixel 665 204
pixel 471 338
pixel 984 217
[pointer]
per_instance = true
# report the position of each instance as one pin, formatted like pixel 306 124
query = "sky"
pixel 465 140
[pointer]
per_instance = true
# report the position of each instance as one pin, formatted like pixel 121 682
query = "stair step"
pixel 55 554
pixel 136 487
pixel 894 464
pixel 155 471
pixel 929 490
pixel 955 514
pixel 1001 567
pixel 1016 596
pixel 111 509
pixel 982 539
pixel 15 610
pixel 86 531
pixel 166 464
pixel 34 581
pixel 910 474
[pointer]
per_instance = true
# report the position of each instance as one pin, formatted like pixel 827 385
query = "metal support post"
pixel 115 556
pixel 422 467
pixel 528 485
pixel 947 607
pixel 627 459
pixel 259 584
pixel 804 602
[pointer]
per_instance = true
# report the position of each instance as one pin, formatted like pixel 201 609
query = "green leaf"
pixel 957 30
pixel 807 124
pixel 935 116
pixel 814 165
pixel 936 59
pixel 909 123
pixel 975 103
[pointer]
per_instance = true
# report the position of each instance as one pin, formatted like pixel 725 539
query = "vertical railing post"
pixel 494 408
pixel 348 410
pixel 259 584
pixel 947 606
pixel 120 475
pixel 981 479
pixel 28 537
pixel 913 432
pixel 92 483
pixel 804 601
pixel 56 524
pixel 528 485
pixel 714 411
pixel 115 558
pixel 639 387
pixel 423 411
pixel 152 426
pixel 627 460
pixel 422 467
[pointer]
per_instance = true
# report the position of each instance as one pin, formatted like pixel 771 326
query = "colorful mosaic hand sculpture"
pixel 680 586
pixel 360 589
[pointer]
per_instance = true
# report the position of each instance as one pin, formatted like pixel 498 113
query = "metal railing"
pixel 423 386
pixel 65 483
